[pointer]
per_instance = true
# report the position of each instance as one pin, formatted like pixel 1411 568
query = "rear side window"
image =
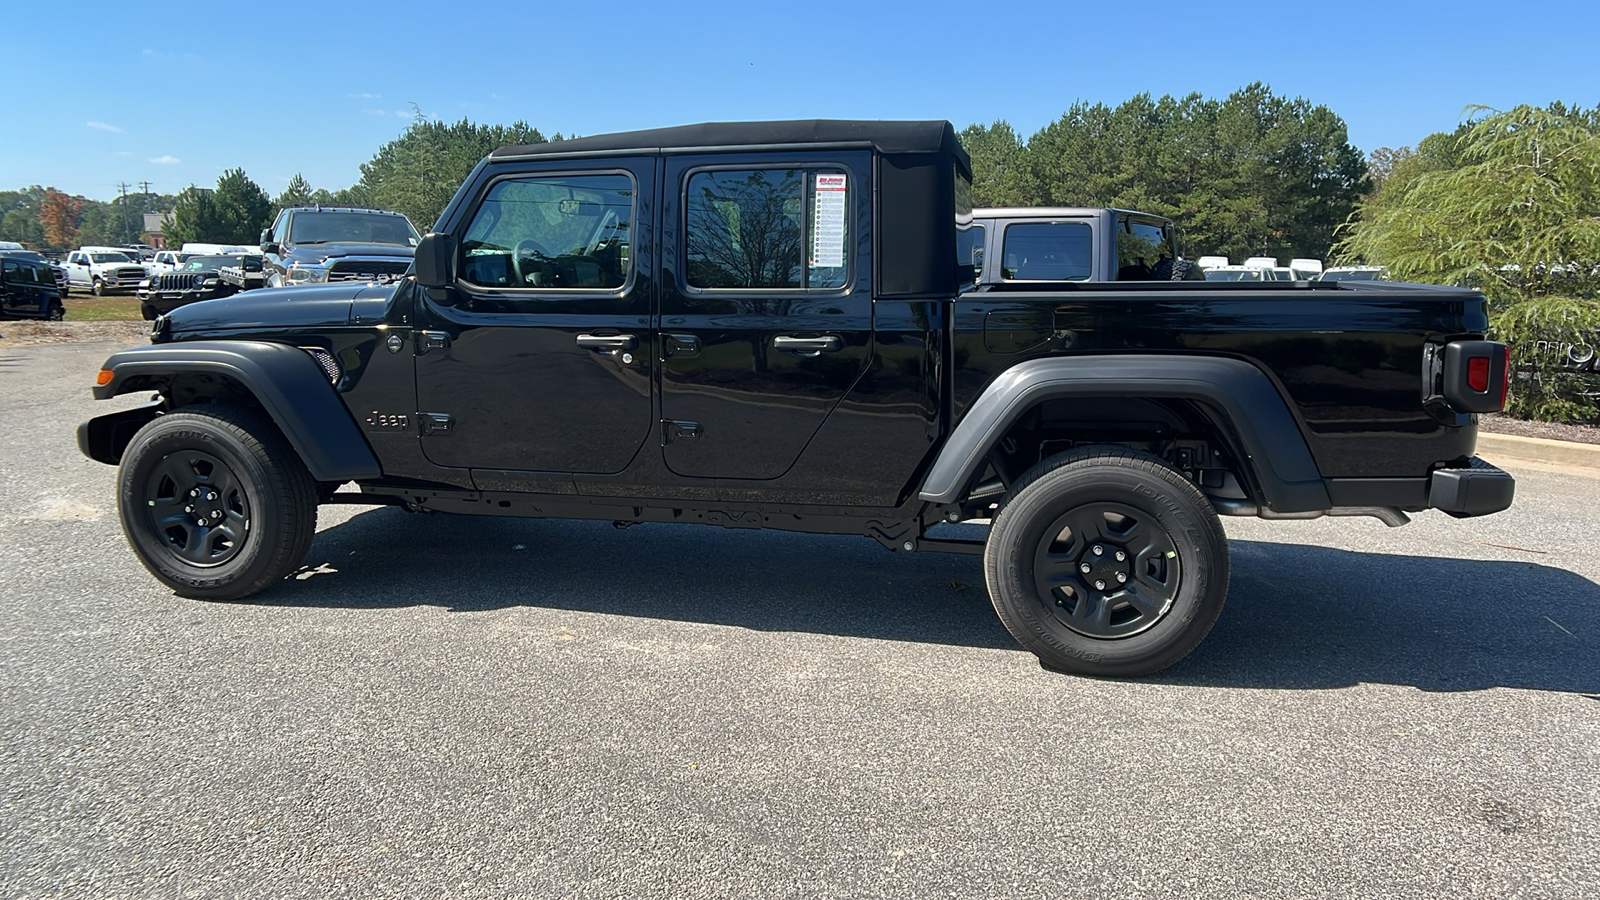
pixel 552 232
pixel 1048 251
pixel 767 229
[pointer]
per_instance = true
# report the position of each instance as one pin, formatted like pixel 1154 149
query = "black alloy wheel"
pixel 1106 561
pixel 1111 570
pixel 197 505
pixel 57 311
pixel 215 503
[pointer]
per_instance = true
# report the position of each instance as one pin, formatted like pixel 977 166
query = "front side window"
pixel 1140 246
pixel 552 232
pixel 1048 251
pixel 767 228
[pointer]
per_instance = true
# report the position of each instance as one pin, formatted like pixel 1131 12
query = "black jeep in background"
pixel 29 287
pixel 771 325
pixel 197 278
pixel 320 244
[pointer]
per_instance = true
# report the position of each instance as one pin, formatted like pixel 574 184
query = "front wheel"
pixel 1105 561
pixel 148 311
pixel 98 288
pixel 215 502
pixel 57 311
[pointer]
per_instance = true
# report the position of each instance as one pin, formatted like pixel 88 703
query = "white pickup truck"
pixel 100 270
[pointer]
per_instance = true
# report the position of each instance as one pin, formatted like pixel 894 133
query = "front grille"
pixel 130 274
pixel 185 281
pixel 367 269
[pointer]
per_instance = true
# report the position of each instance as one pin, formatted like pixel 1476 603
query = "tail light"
pixel 1476 376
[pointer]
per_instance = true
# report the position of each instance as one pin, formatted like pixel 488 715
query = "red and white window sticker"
pixel 827 226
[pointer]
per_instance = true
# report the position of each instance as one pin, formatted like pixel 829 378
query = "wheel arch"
pixel 1237 402
pixel 281 380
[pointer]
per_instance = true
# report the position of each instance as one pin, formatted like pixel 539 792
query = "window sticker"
pixel 827 231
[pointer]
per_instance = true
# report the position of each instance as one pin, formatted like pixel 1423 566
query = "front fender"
pixel 285 380
pixel 1272 443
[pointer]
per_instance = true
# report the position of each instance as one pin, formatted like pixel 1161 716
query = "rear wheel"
pixel 215 502
pixel 1105 561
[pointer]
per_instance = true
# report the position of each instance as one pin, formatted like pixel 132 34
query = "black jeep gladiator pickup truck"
pixel 769 325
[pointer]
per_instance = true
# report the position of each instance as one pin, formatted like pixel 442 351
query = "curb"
pixel 1542 450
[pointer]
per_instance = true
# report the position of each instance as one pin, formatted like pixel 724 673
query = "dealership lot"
pixel 474 707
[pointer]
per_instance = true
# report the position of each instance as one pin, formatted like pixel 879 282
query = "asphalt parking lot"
pixel 443 707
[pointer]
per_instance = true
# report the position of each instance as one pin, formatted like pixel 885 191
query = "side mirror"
pixel 266 235
pixel 269 246
pixel 436 260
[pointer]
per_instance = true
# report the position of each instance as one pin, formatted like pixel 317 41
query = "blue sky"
pixel 174 93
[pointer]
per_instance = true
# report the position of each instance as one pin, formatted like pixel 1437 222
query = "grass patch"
pixel 102 309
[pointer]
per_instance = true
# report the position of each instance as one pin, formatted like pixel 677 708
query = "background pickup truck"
pixel 102 270
pixel 772 325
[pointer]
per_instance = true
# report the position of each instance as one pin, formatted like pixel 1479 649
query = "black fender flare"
pixel 284 379
pixel 1273 446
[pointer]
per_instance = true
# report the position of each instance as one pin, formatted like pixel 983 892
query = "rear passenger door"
pixel 766 305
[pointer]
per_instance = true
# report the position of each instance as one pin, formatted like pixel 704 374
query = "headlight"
pixel 298 274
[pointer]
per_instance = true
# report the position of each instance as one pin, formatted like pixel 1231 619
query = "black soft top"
pixel 885 137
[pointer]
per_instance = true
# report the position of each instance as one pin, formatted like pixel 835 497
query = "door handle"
pixel 607 343
pixel 807 346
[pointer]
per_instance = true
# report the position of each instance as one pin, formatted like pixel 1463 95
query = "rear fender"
pixel 1238 394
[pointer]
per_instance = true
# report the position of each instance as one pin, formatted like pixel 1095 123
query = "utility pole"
pixel 145 206
pixel 122 213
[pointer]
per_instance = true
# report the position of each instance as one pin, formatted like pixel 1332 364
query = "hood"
pixel 312 253
pixel 312 306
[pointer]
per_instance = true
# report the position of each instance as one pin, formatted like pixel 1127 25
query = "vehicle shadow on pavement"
pixel 1317 617
pixel 1298 617
pixel 761 580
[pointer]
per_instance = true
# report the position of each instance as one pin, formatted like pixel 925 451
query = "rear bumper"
pixel 1477 490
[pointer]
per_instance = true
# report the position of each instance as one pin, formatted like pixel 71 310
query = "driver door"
pixel 539 356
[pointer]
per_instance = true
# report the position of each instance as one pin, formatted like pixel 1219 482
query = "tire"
pixel 265 511
pixel 98 288
pixel 57 311
pixel 148 311
pixel 1174 565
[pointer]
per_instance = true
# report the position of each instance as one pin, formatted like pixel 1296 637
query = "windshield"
pixel 1362 275
pixel 109 257
pixel 352 227
pixel 205 263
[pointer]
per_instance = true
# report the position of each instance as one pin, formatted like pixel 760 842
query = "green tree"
pixel 1253 174
pixel 194 218
pixel 22 225
pixel 1510 204
pixel 241 207
pixel 418 172
pixel 999 173
pixel 297 193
